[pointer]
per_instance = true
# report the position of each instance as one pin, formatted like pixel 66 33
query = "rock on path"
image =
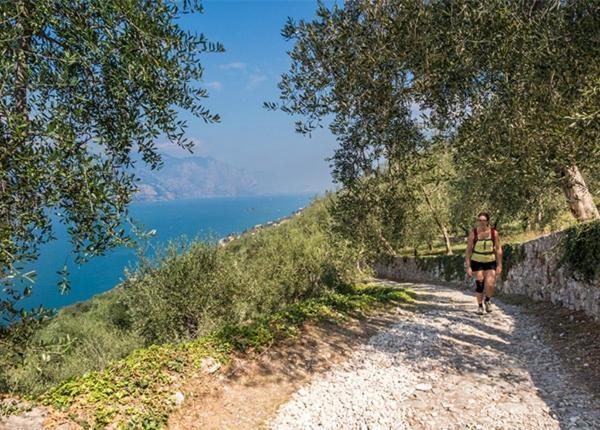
pixel 445 367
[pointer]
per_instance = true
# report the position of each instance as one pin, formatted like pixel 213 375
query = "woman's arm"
pixel 469 251
pixel 498 251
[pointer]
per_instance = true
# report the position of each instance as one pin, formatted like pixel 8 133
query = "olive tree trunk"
pixel 579 198
pixel 439 223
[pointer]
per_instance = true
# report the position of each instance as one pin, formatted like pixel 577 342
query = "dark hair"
pixel 485 214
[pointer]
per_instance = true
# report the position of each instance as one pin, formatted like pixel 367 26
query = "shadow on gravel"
pixel 313 351
pixel 256 384
pixel 448 348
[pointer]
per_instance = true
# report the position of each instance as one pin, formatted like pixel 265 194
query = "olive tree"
pixel 511 85
pixel 86 88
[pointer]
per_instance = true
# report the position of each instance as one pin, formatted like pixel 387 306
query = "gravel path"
pixel 445 367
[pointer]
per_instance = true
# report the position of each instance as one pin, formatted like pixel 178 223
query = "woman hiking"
pixel 484 258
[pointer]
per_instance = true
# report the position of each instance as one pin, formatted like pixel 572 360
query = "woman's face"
pixel 482 221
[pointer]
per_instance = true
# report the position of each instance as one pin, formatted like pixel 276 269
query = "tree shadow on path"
pixel 505 345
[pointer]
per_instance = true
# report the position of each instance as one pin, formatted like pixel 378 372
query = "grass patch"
pixel 135 392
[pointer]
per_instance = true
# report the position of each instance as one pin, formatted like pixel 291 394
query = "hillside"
pixel 193 177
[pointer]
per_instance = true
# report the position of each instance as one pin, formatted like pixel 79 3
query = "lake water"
pixel 210 217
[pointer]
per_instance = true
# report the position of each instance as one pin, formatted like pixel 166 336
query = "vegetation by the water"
pixel 186 291
pixel 136 391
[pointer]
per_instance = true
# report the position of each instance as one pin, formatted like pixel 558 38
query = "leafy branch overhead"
pixel 86 88
pixel 511 89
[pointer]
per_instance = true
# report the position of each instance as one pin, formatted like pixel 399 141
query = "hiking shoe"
pixel 480 310
pixel 488 307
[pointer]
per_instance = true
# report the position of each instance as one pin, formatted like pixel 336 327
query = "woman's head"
pixel 483 219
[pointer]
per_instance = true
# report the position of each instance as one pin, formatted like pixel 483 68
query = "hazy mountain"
pixel 193 177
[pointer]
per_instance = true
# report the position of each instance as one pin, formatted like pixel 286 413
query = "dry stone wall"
pixel 532 269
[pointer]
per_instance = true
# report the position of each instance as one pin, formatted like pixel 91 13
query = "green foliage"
pixel 135 392
pixel 372 216
pixel 189 289
pixel 497 84
pixel 193 286
pixel 82 337
pixel 87 87
pixel 581 250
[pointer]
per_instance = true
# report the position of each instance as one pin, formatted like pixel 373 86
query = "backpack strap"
pixel 492 236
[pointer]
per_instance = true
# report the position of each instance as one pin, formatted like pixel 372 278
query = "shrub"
pixel 190 288
pixel 80 338
pixel 581 249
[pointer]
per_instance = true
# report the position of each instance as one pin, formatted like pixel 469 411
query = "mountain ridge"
pixel 193 177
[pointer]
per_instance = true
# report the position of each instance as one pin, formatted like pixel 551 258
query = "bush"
pixel 581 250
pixel 189 293
pixel 189 289
pixel 82 337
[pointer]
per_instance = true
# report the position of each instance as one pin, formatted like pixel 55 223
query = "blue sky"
pixel 239 80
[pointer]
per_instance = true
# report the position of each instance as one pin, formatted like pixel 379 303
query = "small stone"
pixel 178 397
pixel 423 387
pixel 209 365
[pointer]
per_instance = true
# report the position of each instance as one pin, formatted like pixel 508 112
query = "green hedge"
pixel 581 250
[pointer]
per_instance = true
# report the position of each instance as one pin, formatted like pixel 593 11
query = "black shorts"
pixel 476 266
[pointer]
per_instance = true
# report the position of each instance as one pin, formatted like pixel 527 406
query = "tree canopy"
pixel 510 86
pixel 87 86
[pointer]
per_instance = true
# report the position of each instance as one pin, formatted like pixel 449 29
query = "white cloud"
pixel 215 85
pixel 255 80
pixel 236 65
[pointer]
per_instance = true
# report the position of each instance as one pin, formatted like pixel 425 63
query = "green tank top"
pixel 483 251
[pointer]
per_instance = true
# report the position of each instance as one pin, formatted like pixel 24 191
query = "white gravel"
pixel 444 367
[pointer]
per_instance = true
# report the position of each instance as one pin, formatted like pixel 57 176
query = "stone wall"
pixel 532 269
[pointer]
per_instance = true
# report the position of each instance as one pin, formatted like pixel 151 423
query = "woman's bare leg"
pixel 490 282
pixel 479 277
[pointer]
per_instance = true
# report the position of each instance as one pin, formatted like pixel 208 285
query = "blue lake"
pixel 204 218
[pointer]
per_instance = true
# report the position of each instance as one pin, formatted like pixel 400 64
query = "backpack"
pixel 492 236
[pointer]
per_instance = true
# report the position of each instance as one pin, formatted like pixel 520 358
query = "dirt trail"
pixel 437 365
pixel 445 367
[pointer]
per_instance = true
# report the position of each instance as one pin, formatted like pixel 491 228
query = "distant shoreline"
pixel 258 227
pixel 241 196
